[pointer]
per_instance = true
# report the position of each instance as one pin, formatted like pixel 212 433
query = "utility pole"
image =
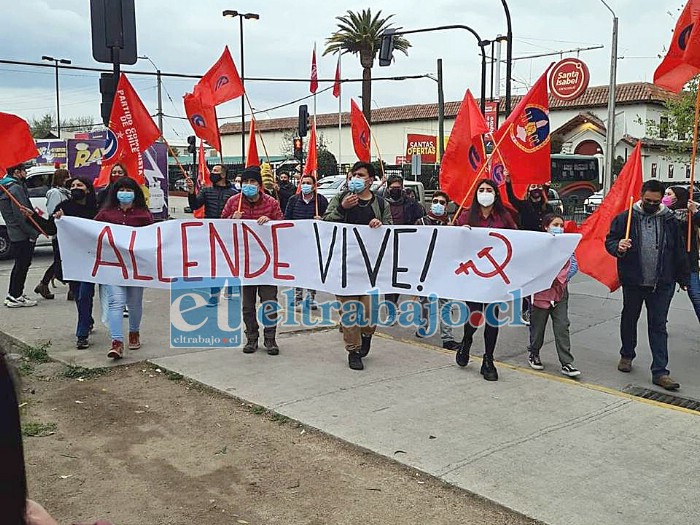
pixel 610 131
pixel 160 102
pixel 441 111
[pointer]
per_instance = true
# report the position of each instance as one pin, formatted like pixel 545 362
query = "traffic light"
pixel 191 144
pixel 303 120
pixel 299 149
pixel 107 92
pixel 386 48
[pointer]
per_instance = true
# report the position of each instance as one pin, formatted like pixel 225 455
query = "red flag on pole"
pixel 17 142
pixel 311 165
pixel 360 133
pixel 336 84
pixel 222 82
pixel 526 151
pixel 252 158
pixel 682 62
pixel 593 259
pixel 314 73
pixel 465 153
pixel 202 117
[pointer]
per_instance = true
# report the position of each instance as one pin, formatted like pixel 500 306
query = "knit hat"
pixel 251 173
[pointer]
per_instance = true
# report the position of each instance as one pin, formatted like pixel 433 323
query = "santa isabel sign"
pixel 569 79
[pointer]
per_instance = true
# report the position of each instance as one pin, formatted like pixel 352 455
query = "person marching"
pixel 307 204
pixel 554 303
pixel 359 205
pixel 437 216
pixel 125 204
pixel 486 211
pixel 254 204
pixel 285 190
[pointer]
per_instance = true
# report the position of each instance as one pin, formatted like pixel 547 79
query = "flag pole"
pixel 379 156
pixel 252 116
pixel 221 148
pixel 340 117
pixel 20 207
pixel 177 161
pixel 629 218
pixel 692 165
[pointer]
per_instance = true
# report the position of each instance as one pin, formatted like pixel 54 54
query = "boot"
pixel 251 344
pixel 462 355
pixel 271 345
pixel 355 361
pixel 117 350
pixel 134 341
pixel 366 342
pixel 43 290
pixel 488 369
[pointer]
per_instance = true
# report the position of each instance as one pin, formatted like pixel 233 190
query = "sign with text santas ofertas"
pixel 478 264
pixel 569 79
pixel 423 145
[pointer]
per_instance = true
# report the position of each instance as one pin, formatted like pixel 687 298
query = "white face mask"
pixel 486 199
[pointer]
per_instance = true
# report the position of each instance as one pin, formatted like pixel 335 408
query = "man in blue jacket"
pixel 649 264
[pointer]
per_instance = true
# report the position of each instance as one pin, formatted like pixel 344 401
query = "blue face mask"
pixel 125 197
pixel 249 190
pixel 356 185
pixel 437 209
pixel 556 230
pixel 307 188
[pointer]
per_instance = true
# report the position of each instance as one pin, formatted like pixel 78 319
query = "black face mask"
pixel 78 194
pixel 650 209
pixel 215 177
pixel 285 183
pixel 395 193
pixel 535 195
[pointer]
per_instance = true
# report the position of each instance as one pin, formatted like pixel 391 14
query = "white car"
pixel 38 181
pixel 592 202
pixel 330 186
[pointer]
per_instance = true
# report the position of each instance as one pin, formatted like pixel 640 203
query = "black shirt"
pixel 362 213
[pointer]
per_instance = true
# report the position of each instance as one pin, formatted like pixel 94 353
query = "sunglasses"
pixel 438 201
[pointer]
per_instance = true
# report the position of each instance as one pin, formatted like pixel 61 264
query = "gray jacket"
pixel 18 229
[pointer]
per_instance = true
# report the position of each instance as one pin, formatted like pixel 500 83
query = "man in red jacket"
pixel 254 204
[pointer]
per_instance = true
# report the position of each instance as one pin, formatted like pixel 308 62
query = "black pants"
pixel 22 251
pixel 51 271
pixel 490 329
pixel 250 294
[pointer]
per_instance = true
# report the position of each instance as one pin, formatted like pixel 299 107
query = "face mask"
pixel 556 230
pixel 249 190
pixel 307 188
pixel 284 183
pixel 485 199
pixel 667 200
pixel 437 209
pixel 356 185
pixel 215 177
pixel 395 193
pixel 535 195
pixel 125 197
pixel 78 194
pixel 237 185
pixel 650 209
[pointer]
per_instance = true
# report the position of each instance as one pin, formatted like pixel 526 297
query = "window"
pixel 670 171
pixel 653 170
pixel 663 127
pixel 687 171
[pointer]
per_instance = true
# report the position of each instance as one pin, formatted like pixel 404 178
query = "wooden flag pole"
pixel 629 218
pixel 692 165
pixel 252 116
pixel 379 156
pixel 20 207
pixel 177 161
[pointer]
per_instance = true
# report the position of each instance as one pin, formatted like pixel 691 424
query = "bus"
pixel 576 177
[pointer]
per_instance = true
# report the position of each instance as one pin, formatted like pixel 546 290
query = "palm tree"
pixel 361 34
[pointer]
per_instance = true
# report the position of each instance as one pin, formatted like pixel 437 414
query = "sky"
pixel 187 36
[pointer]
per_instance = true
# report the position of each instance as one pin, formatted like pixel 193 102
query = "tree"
pixel 327 163
pixel 42 126
pixel 360 34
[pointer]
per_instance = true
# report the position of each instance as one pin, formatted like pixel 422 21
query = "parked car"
pixel 555 200
pixel 592 202
pixel 38 181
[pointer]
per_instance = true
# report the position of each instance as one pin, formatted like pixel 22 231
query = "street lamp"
pixel 57 61
pixel 229 13
pixel 160 97
pixel 610 135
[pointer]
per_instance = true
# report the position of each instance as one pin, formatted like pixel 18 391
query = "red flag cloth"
pixel 202 117
pixel 465 152
pixel 526 151
pixel 682 62
pixel 17 142
pixel 134 169
pixel 497 174
pixel 221 83
pixel 252 158
pixel 313 87
pixel 360 133
pixel 312 159
pixel 336 84
pixel 592 257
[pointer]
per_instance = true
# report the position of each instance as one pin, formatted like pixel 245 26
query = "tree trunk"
pixel 367 94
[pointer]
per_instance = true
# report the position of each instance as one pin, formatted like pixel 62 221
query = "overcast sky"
pixel 187 36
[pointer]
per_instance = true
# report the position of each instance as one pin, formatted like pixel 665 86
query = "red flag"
pixel 360 133
pixel 314 73
pixel 592 257
pixel 682 62
pixel 465 153
pixel 312 159
pixel 202 117
pixel 221 83
pixel 336 84
pixel 526 151
pixel 252 158
pixel 18 144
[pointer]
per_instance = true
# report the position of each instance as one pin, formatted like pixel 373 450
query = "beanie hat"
pixel 251 173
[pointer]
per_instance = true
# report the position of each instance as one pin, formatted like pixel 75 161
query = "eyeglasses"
pixel 438 201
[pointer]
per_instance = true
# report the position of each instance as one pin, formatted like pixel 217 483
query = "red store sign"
pixel 569 79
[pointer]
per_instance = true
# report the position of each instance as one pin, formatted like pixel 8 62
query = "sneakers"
pixel 43 290
pixel 271 346
pixel 19 302
pixel 488 369
pixel 134 341
pixel 251 344
pixel 366 343
pixel 213 301
pixel 82 343
pixel 570 370
pixel 117 350
pixel 462 355
pixel 450 345
pixel 625 365
pixel 666 383
pixel 126 312
pixel 355 361
pixel 534 361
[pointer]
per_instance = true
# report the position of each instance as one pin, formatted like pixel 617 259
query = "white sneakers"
pixel 19 302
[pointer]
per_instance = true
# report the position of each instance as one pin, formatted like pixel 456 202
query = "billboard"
pixel 51 152
pixel 423 145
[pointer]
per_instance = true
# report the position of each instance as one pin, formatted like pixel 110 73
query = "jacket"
pixel 131 217
pixel 554 294
pixel 431 220
pixel 336 213
pixel 672 265
pixel 54 197
pixel 285 193
pixel 18 229
pixel 412 209
pixel 213 198
pixel 530 214
pixel 265 206
pixel 298 208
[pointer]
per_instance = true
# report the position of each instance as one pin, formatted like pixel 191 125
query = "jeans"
pixel 658 302
pixel 694 292
pixel 84 294
pixel 266 292
pixel 560 326
pixel 22 251
pixel 117 297
pixel 490 331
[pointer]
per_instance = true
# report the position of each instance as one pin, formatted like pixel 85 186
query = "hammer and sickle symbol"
pixel 498 268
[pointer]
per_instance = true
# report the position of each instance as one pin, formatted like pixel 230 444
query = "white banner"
pixel 479 264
